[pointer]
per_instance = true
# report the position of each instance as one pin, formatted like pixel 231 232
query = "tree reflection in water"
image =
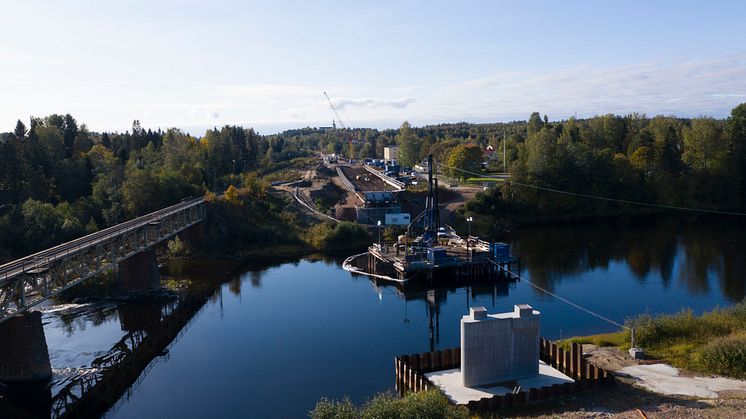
pixel 700 249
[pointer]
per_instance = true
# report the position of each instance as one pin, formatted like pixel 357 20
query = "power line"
pixel 601 198
pixel 566 301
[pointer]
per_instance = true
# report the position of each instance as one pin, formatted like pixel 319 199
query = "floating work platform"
pixel 452 259
pixel 437 253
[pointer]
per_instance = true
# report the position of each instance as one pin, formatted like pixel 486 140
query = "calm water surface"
pixel 269 341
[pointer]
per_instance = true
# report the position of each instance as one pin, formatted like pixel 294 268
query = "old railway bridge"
pixel 29 281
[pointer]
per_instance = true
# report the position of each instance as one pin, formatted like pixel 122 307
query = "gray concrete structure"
pixel 139 272
pixel 498 348
pixel 23 350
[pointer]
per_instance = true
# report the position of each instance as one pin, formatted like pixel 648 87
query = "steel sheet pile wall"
pixel 410 370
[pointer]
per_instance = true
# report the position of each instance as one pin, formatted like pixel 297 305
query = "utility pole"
pixel 505 160
pixel 379 233
pixel 468 220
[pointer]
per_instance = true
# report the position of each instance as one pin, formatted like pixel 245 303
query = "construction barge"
pixel 437 254
pixel 402 262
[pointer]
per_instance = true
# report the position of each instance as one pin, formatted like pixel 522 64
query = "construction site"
pixel 373 193
pixel 432 251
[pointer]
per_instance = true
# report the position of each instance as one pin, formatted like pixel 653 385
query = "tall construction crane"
pixel 341 124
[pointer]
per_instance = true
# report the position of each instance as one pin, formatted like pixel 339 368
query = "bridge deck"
pixel 28 281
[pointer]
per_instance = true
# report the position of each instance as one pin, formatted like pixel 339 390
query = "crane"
pixel 341 124
pixel 336 114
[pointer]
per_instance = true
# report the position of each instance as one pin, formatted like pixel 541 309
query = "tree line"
pixel 58 180
pixel 699 163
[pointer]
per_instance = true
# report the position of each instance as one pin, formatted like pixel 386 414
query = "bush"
pixel 726 356
pixel 713 343
pixel 343 235
pixel 329 409
pixel 424 405
pixel 686 326
pixel 178 247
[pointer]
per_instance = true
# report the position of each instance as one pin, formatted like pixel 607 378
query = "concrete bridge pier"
pixel 24 355
pixel 139 272
pixel 194 234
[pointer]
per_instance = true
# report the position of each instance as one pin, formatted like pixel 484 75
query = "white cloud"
pixel 684 88
pixel 690 88
pixel 369 102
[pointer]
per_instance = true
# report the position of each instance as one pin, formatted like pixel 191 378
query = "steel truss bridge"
pixel 29 281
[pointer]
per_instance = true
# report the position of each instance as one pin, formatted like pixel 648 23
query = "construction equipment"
pixel 341 124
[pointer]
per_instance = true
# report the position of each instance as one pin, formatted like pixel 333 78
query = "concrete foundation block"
pixel 497 348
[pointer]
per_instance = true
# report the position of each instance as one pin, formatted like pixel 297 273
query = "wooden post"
pixel 568 365
pixel 592 374
pixel 575 362
pixel 555 355
pixel 447 358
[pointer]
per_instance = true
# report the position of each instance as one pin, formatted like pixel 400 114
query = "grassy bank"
pixel 713 343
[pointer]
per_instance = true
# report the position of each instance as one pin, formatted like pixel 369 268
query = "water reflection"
pixel 700 251
pixel 152 325
pixel 435 298
pixel 338 333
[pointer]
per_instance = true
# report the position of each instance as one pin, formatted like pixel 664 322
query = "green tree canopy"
pixel 409 146
pixel 463 159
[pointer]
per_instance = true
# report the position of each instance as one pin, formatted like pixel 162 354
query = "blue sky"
pixel 193 64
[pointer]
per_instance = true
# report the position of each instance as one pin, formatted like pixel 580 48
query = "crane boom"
pixel 336 114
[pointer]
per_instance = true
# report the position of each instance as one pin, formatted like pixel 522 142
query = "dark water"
pixel 269 341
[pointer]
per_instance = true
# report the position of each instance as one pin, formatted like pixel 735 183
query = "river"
pixel 270 339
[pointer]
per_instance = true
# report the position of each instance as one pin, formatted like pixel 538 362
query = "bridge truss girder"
pixel 43 278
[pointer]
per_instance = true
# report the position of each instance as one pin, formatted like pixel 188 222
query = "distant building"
pixel 489 153
pixel 390 153
pixel 377 206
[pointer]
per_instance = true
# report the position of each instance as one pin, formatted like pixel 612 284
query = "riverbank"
pixel 711 343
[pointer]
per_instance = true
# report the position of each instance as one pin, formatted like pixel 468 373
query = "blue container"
pixel 501 250
pixel 436 254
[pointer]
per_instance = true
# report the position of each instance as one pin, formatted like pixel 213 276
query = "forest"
pixel 58 180
pixel 693 163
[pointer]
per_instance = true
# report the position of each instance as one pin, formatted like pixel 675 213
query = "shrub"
pixel 726 356
pixel 329 409
pixel 423 404
pixel 178 247
pixel 231 196
pixel 686 326
pixel 343 235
